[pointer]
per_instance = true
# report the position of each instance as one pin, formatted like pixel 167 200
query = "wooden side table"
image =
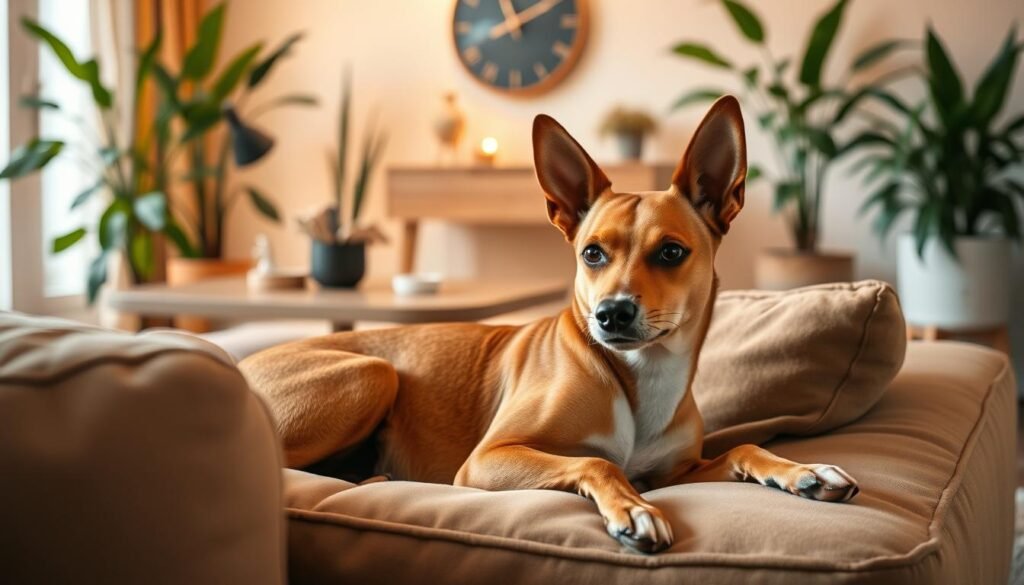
pixel 488 196
pixel 996 337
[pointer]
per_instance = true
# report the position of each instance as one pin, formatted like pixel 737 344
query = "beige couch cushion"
pixel 132 459
pixel 934 457
pixel 797 362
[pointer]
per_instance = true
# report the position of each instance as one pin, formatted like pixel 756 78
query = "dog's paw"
pixel 641 527
pixel 827 483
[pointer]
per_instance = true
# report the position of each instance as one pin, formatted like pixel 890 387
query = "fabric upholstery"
pixel 132 459
pixel 934 458
pixel 798 362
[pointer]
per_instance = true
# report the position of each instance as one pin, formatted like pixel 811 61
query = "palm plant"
pixel 137 207
pixel 203 102
pixel 800 114
pixel 948 160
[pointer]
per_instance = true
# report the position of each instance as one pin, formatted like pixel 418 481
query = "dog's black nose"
pixel 615 315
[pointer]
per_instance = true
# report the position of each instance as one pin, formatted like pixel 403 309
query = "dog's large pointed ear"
pixel 569 177
pixel 713 172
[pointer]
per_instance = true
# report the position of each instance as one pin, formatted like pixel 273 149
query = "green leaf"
pixel 750 76
pixel 295 99
pixel 200 58
pixel 101 95
pixel 263 204
pixel 746 20
pixel 819 44
pixel 259 72
pixel 753 173
pixel 923 227
pixel 146 59
pixel 766 119
pixel 701 53
pixel 199 120
pixel 37 103
pixel 113 225
pixel 84 196
pixel 943 80
pixel 167 83
pixel 60 50
pixel 140 253
pixel 31 157
pixel 232 74
pixel 785 192
pixel 372 148
pixel 867 138
pixel 341 163
pixel 151 210
pixel 697 96
pixel 69 239
pixel 874 54
pixel 97 276
pixel 779 91
pixel 991 91
pixel 822 141
pixel 181 241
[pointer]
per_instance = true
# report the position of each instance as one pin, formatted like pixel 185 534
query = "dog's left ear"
pixel 713 172
pixel 571 180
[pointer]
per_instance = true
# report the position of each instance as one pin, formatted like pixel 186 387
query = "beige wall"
pixel 403 61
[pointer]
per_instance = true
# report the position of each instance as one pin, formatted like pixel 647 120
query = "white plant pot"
pixel 971 291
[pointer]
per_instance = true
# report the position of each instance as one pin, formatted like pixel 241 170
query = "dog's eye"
pixel 593 255
pixel 672 254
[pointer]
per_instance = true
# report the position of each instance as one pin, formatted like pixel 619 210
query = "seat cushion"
pixel 132 459
pixel 796 362
pixel 935 461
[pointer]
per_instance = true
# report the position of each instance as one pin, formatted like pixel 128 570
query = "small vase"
pixel 338 265
pixel 631 145
pixel 783 269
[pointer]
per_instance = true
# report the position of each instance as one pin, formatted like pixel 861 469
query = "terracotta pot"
pixel 182 271
pixel 783 269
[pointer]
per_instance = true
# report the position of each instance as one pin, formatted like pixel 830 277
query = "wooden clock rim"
pixel 556 76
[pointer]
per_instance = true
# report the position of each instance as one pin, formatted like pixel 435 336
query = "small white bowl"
pixel 416 284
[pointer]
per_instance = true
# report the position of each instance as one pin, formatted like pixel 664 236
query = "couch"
pixel 145 459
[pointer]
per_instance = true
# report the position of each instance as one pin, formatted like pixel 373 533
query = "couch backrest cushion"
pixel 797 362
pixel 132 459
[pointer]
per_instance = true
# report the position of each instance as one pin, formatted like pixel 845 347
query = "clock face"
pixel 519 46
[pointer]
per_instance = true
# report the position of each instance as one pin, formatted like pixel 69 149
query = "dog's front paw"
pixel 827 483
pixel 641 527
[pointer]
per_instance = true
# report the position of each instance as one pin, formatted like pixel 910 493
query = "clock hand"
pixel 524 17
pixel 511 18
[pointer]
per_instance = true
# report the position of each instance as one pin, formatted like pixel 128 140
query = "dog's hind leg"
pixel 323 400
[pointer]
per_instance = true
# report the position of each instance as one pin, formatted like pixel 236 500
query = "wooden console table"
pixel 488 196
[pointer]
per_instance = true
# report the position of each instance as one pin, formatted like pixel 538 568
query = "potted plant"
pixel 629 127
pixel 205 103
pixel 949 162
pixel 338 257
pixel 137 207
pixel 800 114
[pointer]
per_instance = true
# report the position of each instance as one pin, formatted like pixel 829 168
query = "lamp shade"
pixel 248 144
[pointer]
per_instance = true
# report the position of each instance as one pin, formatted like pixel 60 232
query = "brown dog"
pixel 587 401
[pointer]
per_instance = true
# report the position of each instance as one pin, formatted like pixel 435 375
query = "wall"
pixel 403 62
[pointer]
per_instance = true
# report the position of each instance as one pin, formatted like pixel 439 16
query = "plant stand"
pixel 997 338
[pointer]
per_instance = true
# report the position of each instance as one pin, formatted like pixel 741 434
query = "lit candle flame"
pixel 489 145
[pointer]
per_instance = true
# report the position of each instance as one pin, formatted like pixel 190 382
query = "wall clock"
pixel 519 47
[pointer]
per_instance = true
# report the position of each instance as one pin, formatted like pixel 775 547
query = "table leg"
pixel 407 260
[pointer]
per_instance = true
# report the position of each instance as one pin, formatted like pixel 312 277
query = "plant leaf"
pixel 140 253
pixel 263 204
pixel 697 96
pixel 753 173
pixel 990 93
pixel 701 53
pixel 341 165
pixel 259 72
pixel 785 192
pixel 822 141
pixel 200 58
pixel 113 225
pixel 943 80
pixel 872 55
pixel 232 74
pixel 60 50
pixel 146 59
pixel 295 99
pixel 746 20
pixel 84 196
pixel 750 76
pixel 181 241
pixel 820 42
pixel 97 276
pixel 151 210
pixel 37 103
pixel 31 157
pixel 69 239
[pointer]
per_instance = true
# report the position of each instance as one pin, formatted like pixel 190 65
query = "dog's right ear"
pixel 570 178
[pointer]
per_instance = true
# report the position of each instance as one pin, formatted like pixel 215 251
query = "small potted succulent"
pixel 629 127
pixel 953 163
pixel 338 257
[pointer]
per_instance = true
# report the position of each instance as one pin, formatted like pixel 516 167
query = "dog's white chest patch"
pixel 640 442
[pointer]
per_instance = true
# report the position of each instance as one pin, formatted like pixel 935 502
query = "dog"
pixel 594 400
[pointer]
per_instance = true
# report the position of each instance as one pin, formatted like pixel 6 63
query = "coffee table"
pixel 372 301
